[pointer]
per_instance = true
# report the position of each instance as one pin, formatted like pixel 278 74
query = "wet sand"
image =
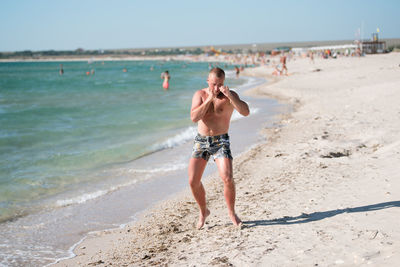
pixel 322 190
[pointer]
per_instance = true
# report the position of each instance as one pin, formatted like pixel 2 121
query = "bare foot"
pixel 235 219
pixel 202 219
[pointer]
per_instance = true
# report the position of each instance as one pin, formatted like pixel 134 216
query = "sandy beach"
pixel 323 190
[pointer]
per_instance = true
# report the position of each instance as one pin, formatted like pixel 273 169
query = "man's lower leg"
pixel 230 195
pixel 200 196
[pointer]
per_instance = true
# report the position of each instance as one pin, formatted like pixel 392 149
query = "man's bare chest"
pixel 219 106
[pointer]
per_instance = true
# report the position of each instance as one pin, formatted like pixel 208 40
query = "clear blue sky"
pixel 105 24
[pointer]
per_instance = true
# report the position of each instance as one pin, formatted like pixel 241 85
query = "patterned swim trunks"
pixel 218 146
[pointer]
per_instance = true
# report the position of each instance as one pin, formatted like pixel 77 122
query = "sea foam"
pixel 90 196
pixel 182 137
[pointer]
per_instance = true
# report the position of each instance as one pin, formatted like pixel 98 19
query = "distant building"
pixel 340 48
pixel 374 46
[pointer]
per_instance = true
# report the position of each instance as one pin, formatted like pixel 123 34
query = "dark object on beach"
pixel 96 262
pixel 316 70
pixel 330 155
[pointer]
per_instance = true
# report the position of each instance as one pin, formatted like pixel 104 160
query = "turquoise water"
pixel 59 133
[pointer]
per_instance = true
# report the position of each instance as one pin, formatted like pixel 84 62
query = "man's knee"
pixel 194 182
pixel 227 178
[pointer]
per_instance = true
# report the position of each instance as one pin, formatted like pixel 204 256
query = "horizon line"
pixel 202 46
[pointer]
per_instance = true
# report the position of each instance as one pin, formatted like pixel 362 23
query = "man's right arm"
pixel 199 108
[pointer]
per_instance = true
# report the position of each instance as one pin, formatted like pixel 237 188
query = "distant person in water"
pixel 165 75
pixel 61 69
pixel 237 71
pixel 212 109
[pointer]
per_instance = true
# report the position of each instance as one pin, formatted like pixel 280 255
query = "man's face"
pixel 214 83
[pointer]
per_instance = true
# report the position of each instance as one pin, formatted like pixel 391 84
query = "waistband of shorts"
pixel 214 136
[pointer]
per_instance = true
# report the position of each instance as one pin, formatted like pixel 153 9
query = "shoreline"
pixel 322 190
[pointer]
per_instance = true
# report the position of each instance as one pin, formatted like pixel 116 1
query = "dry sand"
pixel 323 190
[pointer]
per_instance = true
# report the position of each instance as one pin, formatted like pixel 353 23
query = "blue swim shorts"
pixel 218 146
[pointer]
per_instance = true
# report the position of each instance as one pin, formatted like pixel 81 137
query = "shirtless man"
pixel 212 109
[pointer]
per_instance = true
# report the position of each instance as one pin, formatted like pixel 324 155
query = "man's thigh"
pixel 196 168
pixel 224 167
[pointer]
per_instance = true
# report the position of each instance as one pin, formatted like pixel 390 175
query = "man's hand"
pixel 211 94
pixel 225 90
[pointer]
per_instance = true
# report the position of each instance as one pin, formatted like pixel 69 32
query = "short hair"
pixel 220 73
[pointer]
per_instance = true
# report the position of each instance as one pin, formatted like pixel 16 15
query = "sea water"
pixel 60 132
pixel 67 142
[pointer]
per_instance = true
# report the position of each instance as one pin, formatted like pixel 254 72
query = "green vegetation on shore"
pixel 91 53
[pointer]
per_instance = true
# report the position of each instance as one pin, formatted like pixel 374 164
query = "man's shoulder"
pixel 201 92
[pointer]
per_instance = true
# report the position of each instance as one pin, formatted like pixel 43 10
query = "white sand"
pixel 323 190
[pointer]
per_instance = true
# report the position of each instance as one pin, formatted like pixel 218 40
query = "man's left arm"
pixel 236 102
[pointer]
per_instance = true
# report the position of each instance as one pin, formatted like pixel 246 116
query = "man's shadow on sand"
pixel 316 216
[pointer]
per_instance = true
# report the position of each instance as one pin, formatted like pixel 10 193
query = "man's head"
pixel 216 79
